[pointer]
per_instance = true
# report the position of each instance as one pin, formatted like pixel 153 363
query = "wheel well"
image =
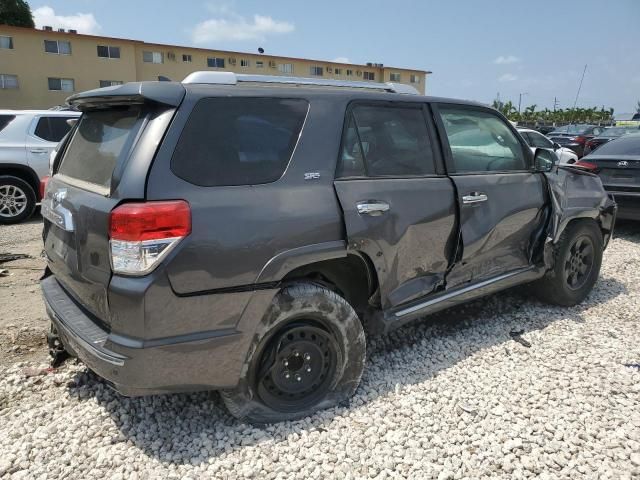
pixel 352 276
pixel 594 221
pixel 23 172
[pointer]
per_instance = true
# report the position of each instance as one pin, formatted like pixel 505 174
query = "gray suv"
pixel 240 233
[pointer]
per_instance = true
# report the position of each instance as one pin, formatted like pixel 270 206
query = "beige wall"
pixel 33 65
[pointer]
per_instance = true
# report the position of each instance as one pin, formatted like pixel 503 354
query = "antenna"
pixel 580 86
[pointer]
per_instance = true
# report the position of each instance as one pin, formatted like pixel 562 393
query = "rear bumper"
pixel 628 205
pixel 133 366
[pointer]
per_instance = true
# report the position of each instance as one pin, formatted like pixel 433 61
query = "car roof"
pixel 52 113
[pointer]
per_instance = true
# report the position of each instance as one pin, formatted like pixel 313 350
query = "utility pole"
pixel 555 103
pixel 580 86
pixel 520 100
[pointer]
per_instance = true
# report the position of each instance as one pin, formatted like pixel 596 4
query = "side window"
pixel 238 141
pixel 481 141
pixel 540 141
pixel 52 129
pixel 386 141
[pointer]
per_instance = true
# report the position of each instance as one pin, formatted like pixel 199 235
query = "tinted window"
pixel 101 139
pixel 52 129
pixel 480 141
pixel 238 141
pixel 625 145
pixel 392 141
pixel 538 140
pixel 5 120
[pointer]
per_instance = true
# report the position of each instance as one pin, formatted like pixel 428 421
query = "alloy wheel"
pixel 13 201
pixel 579 262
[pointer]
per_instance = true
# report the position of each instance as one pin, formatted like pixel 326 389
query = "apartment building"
pixel 40 68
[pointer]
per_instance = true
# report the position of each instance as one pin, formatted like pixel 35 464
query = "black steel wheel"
pixel 297 367
pixel 307 354
pixel 577 260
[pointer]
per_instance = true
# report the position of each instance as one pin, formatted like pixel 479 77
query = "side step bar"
pixel 398 316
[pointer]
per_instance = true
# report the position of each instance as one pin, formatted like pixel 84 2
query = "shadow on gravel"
pixel 193 428
pixel 627 230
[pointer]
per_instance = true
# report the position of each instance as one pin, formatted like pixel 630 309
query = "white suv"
pixel 27 138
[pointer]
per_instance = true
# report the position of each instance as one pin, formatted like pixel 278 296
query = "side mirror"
pixel 544 160
pixel 556 146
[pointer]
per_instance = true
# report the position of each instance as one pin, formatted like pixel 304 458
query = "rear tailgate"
pixel 619 174
pixel 104 163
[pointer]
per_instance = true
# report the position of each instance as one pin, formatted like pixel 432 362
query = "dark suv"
pixel 238 233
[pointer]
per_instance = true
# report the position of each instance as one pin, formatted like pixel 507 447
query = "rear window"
pixel 101 139
pixel 238 141
pixel 52 129
pixel 625 145
pixel 5 120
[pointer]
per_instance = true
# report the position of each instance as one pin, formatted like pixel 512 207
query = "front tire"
pixel 17 200
pixel 577 261
pixel 308 354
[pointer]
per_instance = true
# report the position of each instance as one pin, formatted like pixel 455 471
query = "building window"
pixel 6 42
pixel 110 83
pixel 61 84
pixel 152 57
pixel 213 62
pixel 105 51
pixel 337 71
pixel 244 62
pixel 259 64
pixel 349 72
pixel 369 76
pixel 186 58
pixel 415 79
pixel 285 67
pixel 317 71
pixel 58 47
pixel 8 81
pixel 394 77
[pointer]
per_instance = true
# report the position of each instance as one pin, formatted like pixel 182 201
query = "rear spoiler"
pixel 164 93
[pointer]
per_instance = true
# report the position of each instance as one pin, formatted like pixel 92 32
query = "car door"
pixel 44 134
pixel 501 198
pixel 398 204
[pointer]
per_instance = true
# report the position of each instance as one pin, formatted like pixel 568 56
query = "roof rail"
pixel 230 78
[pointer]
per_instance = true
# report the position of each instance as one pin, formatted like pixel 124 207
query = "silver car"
pixel 27 138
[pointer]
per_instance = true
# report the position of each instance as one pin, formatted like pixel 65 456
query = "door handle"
pixel 372 207
pixel 38 150
pixel 474 197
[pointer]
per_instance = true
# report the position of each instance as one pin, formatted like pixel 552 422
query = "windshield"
pixel 571 129
pixel 617 131
pixel 102 139
pixel 626 145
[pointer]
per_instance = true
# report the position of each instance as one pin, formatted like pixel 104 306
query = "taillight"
pixel 142 234
pixel 592 167
pixel 580 139
pixel 43 185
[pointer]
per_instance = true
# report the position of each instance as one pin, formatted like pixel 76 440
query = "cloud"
pixel 507 77
pixel 238 28
pixel 83 22
pixel 506 60
pixel 341 60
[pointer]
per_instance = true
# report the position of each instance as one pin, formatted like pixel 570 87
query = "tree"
pixel 16 13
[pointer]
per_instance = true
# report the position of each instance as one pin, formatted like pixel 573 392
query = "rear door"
pixel 44 134
pixel 501 199
pixel 80 197
pixel 399 207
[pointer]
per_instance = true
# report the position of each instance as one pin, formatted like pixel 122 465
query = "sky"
pixel 475 49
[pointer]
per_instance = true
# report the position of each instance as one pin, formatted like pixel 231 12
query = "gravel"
pixel 455 397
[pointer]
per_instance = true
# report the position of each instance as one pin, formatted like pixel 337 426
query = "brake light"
pixel 592 167
pixel 580 139
pixel 142 234
pixel 43 185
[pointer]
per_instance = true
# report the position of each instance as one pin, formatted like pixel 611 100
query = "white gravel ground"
pixel 454 398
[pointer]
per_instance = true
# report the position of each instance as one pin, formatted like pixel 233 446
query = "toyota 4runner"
pixel 239 233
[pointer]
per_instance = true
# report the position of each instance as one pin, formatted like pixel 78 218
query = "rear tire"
pixel 17 200
pixel 577 261
pixel 308 354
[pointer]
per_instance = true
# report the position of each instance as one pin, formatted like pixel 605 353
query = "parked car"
pixel 575 137
pixel 27 137
pixel 236 232
pixel 617 163
pixel 535 140
pixel 607 135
